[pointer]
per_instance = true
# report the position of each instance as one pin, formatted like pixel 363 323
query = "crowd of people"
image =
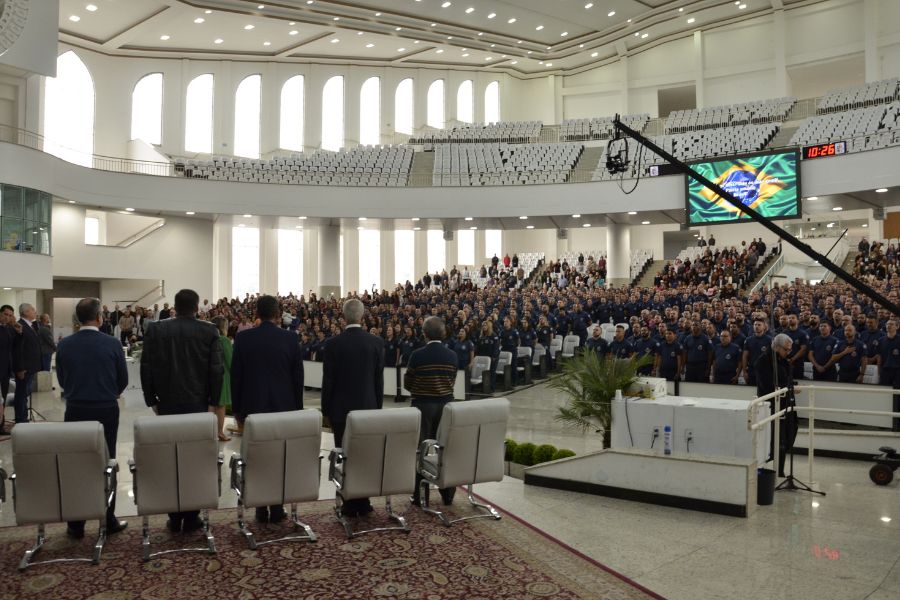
pixel 727 268
pixel 875 262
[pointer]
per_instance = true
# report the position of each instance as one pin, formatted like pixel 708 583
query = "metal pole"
pixel 810 458
pixel 776 446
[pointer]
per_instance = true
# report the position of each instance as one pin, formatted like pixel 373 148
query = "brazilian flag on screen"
pixel 767 183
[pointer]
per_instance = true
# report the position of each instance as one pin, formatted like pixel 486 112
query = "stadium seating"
pixel 504 164
pixel 870 94
pixel 762 111
pixel 638 259
pixel 869 128
pixel 503 131
pixel 598 128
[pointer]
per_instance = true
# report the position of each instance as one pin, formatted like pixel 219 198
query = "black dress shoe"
pixel 447 495
pixel 115 526
pixel 75 534
pixel 193 524
pixel 262 515
pixel 415 501
pixel 277 516
pixel 174 525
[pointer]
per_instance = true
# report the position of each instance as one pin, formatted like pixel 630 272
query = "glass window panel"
pixel 32 205
pixel 435 103
pixel 437 250
pixel 290 262
pixel 12 234
pixel 369 259
pixel 91 231
pixel 492 102
pixel 146 109
pixel 198 115
pixel 370 112
pixel 69 111
pixel 493 242
pixel 11 205
pixel 404 256
pixel 246 117
pixel 465 244
pixel 465 103
pixel 403 107
pixel 244 261
pixel 333 114
pixel 292 114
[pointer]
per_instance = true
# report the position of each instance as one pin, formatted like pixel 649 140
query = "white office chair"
pixel 176 468
pixel 570 345
pixel 378 458
pixel 278 464
pixel 62 473
pixel 480 366
pixel 469 449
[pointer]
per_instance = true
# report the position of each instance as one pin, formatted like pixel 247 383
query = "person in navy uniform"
pixel 464 349
pixel 620 347
pixel 489 345
pixel 727 362
pixel 870 335
pixel 509 342
pixel 391 348
pixel 851 357
pixel 544 334
pixel 527 334
pixel 889 364
pixel 645 345
pixel 596 343
pixel 580 323
pixel 407 345
pixel 563 323
pixel 799 348
pixel 698 355
pixel 821 353
pixel 757 345
pixel 669 357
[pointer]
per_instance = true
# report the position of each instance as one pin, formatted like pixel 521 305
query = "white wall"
pixel 180 253
pixel 25 270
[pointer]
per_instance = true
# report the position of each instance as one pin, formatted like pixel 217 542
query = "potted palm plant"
pixel 589 383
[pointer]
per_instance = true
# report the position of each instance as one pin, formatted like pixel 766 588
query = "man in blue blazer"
pixel 91 370
pixel 266 375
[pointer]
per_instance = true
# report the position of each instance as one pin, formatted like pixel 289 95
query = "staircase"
pixel 783 137
pixel 646 280
pixel 422 170
pixel 586 165
pixel 848 264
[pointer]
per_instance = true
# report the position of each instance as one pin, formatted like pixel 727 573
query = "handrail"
pixel 769 273
pixel 162 291
pixel 131 239
pixel 839 238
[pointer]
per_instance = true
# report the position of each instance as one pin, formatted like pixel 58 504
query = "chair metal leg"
pixel 348 527
pixel 394 516
pixel 342 519
pixel 242 525
pixel 101 540
pixel 424 489
pixel 210 540
pixel 29 554
pixel 308 535
pixel 491 512
pixel 145 538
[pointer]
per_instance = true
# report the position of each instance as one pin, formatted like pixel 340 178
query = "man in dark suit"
pixel 48 345
pixel 352 379
pixel 92 374
pixel 771 377
pixel 429 378
pixel 7 337
pixel 26 358
pixel 182 366
pixel 266 375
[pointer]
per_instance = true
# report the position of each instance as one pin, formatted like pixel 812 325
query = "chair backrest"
pixel 59 472
pixel 472 434
pixel 570 343
pixel 503 359
pixel 281 457
pixel 523 351
pixel 177 463
pixel 539 351
pixel 380 446
pixel 481 364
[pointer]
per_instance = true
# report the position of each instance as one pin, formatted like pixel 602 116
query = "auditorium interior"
pixel 485 162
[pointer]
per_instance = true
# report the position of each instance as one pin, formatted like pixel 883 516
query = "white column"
pixel 451 251
pixel 222 240
pixel 420 254
pixel 388 259
pixel 699 85
pixel 870 37
pixel 268 255
pixel 626 102
pixel 351 260
pixel 310 260
pixel 329 265
pixel 779 34
pixel 223 109
pixel 618 253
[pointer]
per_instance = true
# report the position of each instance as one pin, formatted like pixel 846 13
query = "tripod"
pixel 790 482
pixel 33 415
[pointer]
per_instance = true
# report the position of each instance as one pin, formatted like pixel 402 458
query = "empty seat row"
pixel 869 94
pixel 761 111
pixel 854 126
pixel 503 131
pixel 598 128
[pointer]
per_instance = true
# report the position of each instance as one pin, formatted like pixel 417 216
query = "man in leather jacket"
pixel 181 372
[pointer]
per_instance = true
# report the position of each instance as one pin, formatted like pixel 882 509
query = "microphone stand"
pixel 791 483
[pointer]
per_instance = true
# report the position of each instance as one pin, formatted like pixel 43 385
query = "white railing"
pixel 770 273
pixel 755 426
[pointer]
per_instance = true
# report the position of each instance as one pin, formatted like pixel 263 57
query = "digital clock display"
pixel 822 150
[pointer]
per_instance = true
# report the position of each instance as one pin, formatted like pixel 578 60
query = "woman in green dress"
pixel 225 397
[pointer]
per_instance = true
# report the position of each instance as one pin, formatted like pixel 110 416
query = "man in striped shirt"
pixel 430 376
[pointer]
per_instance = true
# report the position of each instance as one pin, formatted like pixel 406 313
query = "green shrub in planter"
pixel 524 454
pixel 510 449
pixel 544 453
pixel 562 453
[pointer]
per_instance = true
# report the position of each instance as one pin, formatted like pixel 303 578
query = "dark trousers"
pixel 697 372
pixel 356 505
pixel 46 359
pixel 4 391
pixel 20 401
pixel 182 409
pixel 109 419
pixel 124 335
pixel 828 375
pixel 723 377
pixel 848 376
pixel 431 418
pixel 787 434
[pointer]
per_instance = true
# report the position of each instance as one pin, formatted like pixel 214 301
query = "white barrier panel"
pixel 134 373
pixel 312 378
pixel 390 381
pixel 312 374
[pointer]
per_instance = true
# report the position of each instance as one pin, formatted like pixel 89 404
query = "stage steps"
pixel 646 279
pixel 422 170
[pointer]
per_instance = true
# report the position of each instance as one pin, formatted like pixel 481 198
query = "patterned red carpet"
pixel 475 560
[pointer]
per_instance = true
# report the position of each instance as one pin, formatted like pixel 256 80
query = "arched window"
pixel 291 137
pixel 246 117
pixel 465 102
pixel 435 101
pixel 198 114
pixel 492 102
pixel 146 109
pixel 370 112
pixel 333 113
pixel 403 107
pixel 69 111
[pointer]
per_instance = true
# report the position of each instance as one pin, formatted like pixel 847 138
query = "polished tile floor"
pixel 843 546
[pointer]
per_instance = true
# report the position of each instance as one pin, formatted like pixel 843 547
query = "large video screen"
pixel 769 183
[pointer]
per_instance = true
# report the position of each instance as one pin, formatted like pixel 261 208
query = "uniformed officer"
pixel 698 355
pixel 727 363
pixel 758 344
pixel 545 337
pixel 489 345
pixel 669 357
pixel 644 345
pixel 620 347
pixel 580 322
pixel 851 357
pixel 465 350
pixel 799 347
pixel 821 352
pixel 596 343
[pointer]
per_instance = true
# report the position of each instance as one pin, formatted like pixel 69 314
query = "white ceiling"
pixel 573 35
